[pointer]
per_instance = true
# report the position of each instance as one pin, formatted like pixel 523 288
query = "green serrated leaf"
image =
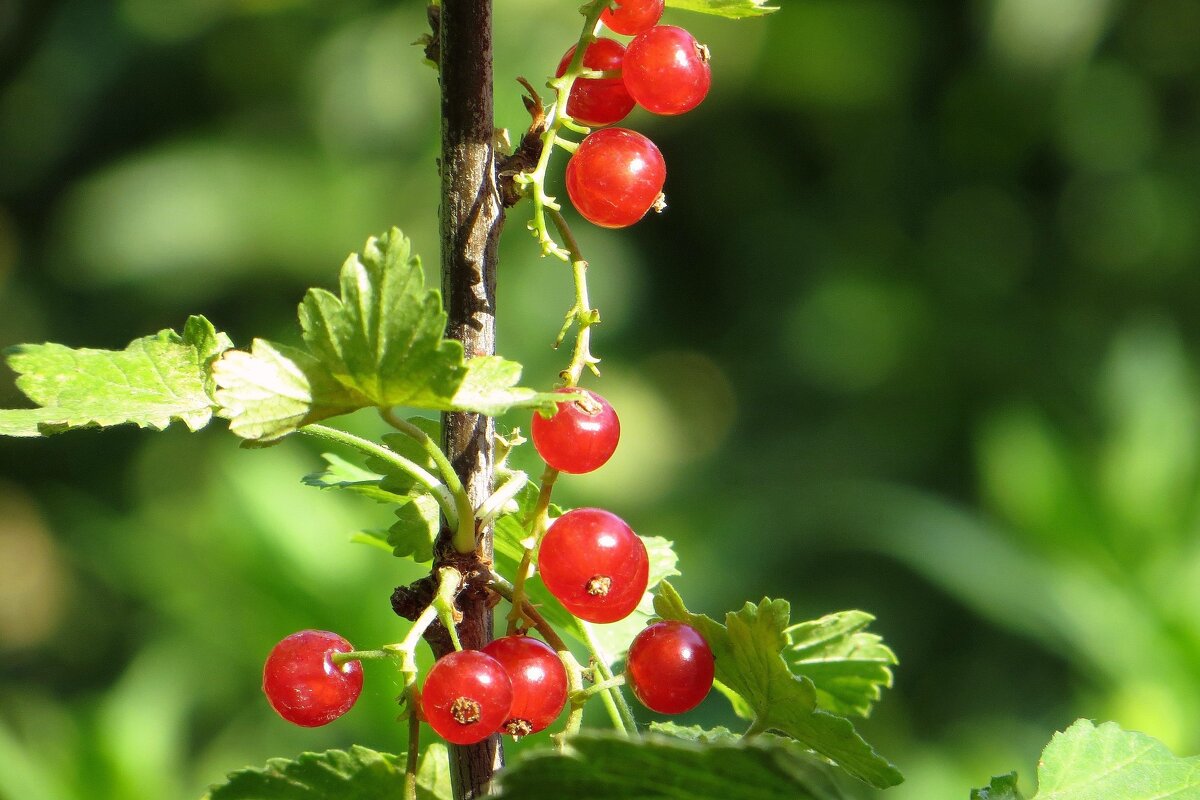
pixel 607 767
pixel 415 529
pixel 359 774
pixel 342 474
pixel 611 640
pixel 731 9
pixel 1002 787
pixel 819 775
pixel 433 774
pixel 383 336
pixel 1090 762
pixel 154 381
pixel 848 666
pixel 382 339
pixel 748 650
pixel 272 390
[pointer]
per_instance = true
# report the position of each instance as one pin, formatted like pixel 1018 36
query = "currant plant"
pixel 595 592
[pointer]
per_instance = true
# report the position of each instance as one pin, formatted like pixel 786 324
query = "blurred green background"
pixel 918 334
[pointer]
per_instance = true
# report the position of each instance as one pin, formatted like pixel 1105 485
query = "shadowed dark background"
pixel 917 334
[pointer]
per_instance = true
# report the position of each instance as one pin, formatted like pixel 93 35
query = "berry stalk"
pixel 558 119
pixel 581 312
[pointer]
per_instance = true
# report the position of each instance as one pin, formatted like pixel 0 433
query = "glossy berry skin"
pixel 670 667
pixel 580 437
pixel 666 70
pixel 598 101
pixel 615 176
pixel 594 564
pixel 539 682
pixel 466 697
pixel 632 17
pixel 303 684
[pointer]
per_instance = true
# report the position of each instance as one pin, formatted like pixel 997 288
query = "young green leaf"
pixel 1002 787
pixel 341 474
pixel 152 382
pixel 607 767
pixel 1090 762
pixel 748 650
pixel 733 9
pixel 382 338
pixel 359 774
pixel 418 513
pixel 415 529
pixel 272 390
pixel 848 666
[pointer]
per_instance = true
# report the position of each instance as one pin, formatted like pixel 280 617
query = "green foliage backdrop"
pixel 917 334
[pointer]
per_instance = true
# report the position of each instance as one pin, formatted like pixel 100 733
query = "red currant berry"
pixel 594 564
pixel 580 437
pixel 631 17
pixel 615 176
pixel 303 684
pixel 539 682
pixel 598 101
pixel 670 667
pixel 467 696
pixel 666 70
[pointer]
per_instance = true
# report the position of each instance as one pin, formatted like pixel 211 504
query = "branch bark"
pixel 471 218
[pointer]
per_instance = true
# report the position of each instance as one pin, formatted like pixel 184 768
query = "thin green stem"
pixel 600 688
pixel 408 647
pixel 361 655
pixel 600 664
pixel 449 582
pixel 422 476
pixel 536 524
pixel 506 590
pixel 464 529
pixel 414 744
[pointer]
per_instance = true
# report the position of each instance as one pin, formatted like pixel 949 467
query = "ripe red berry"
pixel 594 564
pixel 631 17
pixel 467 696
pixel 666 70
pixel 598 101
pixel 670 667
pixel 580 437
pixel 303 684
pixel 539 682
pixel 615 176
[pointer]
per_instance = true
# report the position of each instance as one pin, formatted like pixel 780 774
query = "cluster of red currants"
pixel 589 559
pixel 616 175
